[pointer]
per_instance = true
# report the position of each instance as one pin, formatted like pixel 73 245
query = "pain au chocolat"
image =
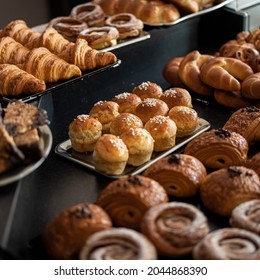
pixel 218 148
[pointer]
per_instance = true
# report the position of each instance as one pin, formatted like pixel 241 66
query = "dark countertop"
pixel 26 206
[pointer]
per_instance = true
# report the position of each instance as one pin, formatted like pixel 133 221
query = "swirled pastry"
pixel 66 234
pixel 228 244
pixel 180 174
pixel 222 190
pixel 245 121
pixel 218 148
pixel 247 216
pixel 127 102
pixel 118 244
pixel 174 228
pixel 254 163
pixel 129 197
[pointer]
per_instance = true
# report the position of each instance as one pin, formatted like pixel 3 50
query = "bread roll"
pixel 127 102
pixel 176 97
pixel 84 131
pixel 148 90
pixel 110 154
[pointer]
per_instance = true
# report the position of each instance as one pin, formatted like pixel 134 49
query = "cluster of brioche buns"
pixel 132 125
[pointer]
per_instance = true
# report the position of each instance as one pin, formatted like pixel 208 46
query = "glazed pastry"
pixel 226 188
pixel 105 112
pixel 170 72
pixel 176 97
pixel 124 122
pixel 100 37
pixel 254 163
pixel 127 25
pixel 140 144
pixel 245 121
pixel 15 81
pixel 127 102
pixel 228 244
pixel 148 90
pixel 247 216
pixel 84 131
pixel 151 107
pixel 65 235
pixel 225 73
pixel 68 27
pixel 90 13
pixel 180 174
pixel 163 130
pixel 134 194
pixel 185 118
pixel 118 244
pixel 218 148
pixel 174 228
pixel 152 12
pixel 251 86
pixel 189 72
pixel 110 154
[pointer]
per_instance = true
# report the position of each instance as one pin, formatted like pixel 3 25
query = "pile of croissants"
pixel 231 76
pixel 30 59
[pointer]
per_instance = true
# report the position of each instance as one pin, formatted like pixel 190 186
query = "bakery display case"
pixel 29 203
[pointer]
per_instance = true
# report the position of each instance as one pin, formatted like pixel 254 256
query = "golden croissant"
pixel 15 81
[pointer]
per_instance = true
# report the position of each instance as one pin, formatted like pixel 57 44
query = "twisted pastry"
pixel 251 86
pixel 245 121
pixel 118 244
pixel 65 235
pixel 174 228
pixel 224 189
pixel 179 174
pixel 218 148
pixel 170 72
pixel 247 216
pixel 228 244
pixel 15 81
pixel 135 194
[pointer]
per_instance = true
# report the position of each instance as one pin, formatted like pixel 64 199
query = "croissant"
pixel 118 244
pixel 15 81
pixel 251 86
pixel 225 73
pixel 170 72
pixel 152 12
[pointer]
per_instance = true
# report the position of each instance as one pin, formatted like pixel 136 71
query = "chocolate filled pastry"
pixel 222 190
pixel 163 130
pixel 180 174
pixel 245 121
pixel 218 148
pixel 127 24
pixel 110 154
pixel 124 122
pixel 68 27
pixel 118 244
pixel 127 199
pixel 100 37
pixel 254 163
pixel 90 13
pixel 176 97
pixel 247 216
pixel 148 90
pixel 84 131
pixel 65 235
pixel 105 112
pixel 170 72
pixel 185 118
pixel 140 144
pixel 151 107
pixel 127 102
pixel 228 244
pixel 174 228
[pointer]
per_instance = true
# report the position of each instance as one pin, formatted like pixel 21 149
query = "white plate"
pixel 22 171
pixel 85 159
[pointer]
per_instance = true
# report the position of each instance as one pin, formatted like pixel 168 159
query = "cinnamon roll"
pixel 180 174
pixel 64 235
pixel 129 197
pixel 228 244
pixel 174 228
pixel 222 190
pixel 218 148
pixel 247 216
pixel 118 244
